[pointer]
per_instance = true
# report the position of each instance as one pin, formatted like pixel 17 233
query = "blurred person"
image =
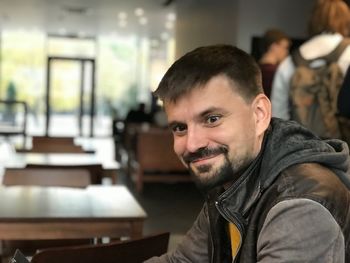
pixel 275 44
pixel 11 97
pixel 274 191
pixel 329 24
pixel 139 115
pixel 344 108
pixel 344 96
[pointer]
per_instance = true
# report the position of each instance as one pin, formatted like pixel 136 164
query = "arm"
pixel 300 230
pixel 280 89
pixel 194 246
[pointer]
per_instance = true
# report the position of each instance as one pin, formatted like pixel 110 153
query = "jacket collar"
pixel 299 146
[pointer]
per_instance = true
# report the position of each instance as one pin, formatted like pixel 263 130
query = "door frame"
pixel 82 62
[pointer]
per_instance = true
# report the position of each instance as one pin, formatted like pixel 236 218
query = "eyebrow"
pixel 209 110
pixel 199 116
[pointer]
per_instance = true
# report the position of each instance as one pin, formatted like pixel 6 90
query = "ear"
pixel 262 112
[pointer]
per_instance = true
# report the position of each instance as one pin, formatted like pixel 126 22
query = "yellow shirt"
pixel 235 237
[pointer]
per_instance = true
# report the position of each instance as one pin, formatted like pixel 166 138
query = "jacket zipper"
pixel 236 222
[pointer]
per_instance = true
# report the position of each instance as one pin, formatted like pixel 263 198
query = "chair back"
pixel 95 170
pixel 155 151
pixel 47 177
pixel 132 251
pixel 45 144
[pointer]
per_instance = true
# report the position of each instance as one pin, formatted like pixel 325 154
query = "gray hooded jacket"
pixel 291 205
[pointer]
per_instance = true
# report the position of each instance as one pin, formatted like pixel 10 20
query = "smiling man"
pixel 274 191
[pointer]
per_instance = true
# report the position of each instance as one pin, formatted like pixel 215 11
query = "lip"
pixel 204 160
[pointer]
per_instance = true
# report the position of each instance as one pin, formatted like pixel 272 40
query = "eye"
pixel 212 119
pixel 178 128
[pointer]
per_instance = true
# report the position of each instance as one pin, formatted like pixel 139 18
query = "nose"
pixel 196 139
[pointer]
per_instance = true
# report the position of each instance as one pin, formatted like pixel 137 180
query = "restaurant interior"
pixel 76 168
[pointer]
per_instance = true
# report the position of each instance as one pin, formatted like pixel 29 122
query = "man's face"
pixel 282 49
pixel 214 130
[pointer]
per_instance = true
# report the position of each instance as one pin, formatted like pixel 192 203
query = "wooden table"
pixel 31 212
pixel 20 160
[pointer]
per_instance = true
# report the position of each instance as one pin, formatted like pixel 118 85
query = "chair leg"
pixel 139 181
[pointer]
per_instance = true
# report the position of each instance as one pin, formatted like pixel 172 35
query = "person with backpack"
pixel 295 93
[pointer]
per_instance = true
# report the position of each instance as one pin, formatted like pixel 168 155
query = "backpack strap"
pixel 338 51
pixel 298 59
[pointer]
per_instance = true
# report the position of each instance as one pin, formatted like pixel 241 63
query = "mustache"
pixel 204 152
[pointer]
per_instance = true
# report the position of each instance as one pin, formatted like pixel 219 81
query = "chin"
pixel 212 174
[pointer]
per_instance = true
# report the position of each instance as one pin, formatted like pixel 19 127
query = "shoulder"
pixel 320 45
pixel 286 67
pixel 311 179
pixel 283 73
pixel 300 229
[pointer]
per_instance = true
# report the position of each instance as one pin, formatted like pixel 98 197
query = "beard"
pixel 229 171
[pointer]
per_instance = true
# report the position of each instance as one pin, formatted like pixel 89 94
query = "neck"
pixel 269 58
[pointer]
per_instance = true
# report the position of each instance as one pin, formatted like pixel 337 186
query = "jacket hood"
pixel 288 143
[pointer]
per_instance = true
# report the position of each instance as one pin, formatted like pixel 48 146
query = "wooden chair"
pixel 77 177
pixel 132 251
pixel 45 144
pixel 47 177
pixel 96 170
pixel 156 160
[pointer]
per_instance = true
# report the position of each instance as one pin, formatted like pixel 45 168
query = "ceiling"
pixel 90 17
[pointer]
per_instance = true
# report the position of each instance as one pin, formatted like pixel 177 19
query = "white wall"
pixel 255 16
pixel 204 22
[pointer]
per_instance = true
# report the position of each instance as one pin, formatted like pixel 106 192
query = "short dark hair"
pixel 197 67
pixel 271 36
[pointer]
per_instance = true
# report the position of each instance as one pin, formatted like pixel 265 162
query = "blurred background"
pixel 81 64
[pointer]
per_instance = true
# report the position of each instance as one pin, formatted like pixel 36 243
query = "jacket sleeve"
pixel 300 230
pixel 193 247
pixel 280 89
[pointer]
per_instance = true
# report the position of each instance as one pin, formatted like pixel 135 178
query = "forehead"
pixel 284 42
pixel 218 93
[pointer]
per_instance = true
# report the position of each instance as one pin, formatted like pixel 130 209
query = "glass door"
pixel 70 97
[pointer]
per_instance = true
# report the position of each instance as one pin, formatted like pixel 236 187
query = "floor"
pixel 170 207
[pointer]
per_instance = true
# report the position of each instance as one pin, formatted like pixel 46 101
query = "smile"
pixel 204 159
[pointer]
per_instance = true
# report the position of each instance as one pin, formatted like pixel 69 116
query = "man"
pixel 274 191
pixel 275 47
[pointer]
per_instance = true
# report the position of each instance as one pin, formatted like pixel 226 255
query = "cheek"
pixel 179 146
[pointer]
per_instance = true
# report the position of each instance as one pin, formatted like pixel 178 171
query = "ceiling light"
pixel 143 20
pixel 171 16
pixel 122 15
pixel 139 11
